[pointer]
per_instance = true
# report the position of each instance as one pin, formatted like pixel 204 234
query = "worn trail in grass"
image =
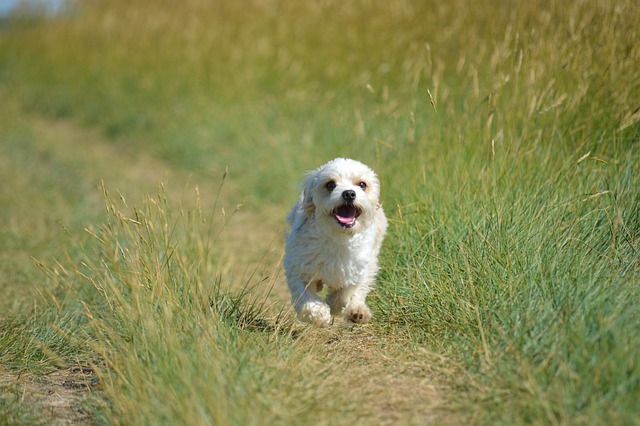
pixel 507 141
pixel 388 382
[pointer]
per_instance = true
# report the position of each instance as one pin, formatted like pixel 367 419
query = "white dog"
pixel 337 228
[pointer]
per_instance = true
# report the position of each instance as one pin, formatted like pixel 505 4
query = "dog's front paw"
pixel 358 314
pixel 315 313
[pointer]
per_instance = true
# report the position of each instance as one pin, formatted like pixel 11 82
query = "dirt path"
pixel 393 386
pixel 63 397
pixel 395 389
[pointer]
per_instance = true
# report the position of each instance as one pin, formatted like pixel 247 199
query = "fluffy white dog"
pixel 337 227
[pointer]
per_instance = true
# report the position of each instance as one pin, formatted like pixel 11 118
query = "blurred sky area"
pixel 43 6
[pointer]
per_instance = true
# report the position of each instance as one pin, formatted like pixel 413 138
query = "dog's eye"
pixel 331 185
pixel 363 185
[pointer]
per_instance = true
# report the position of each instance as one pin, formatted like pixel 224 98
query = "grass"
pixel 537 295
pixel 506 137
pixel 187 342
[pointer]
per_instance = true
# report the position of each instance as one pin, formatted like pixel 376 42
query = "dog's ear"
pixel 307 192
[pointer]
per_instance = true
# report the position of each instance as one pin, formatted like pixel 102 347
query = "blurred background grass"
pixel 253 84
pixel 505 135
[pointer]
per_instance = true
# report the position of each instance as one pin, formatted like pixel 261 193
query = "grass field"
pixel 149 152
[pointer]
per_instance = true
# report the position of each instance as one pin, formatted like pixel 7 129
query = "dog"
pixel 335 232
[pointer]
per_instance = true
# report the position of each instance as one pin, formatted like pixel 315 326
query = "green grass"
pixel 535 294
pixel 506 136
pixel 195 351
pixel 38 194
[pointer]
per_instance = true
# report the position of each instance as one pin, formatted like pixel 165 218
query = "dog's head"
pixel 342 194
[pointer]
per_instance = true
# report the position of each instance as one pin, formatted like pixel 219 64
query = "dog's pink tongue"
pixel 345 215
pixel 345 220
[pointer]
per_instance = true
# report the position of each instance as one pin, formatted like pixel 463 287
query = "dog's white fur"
pixel 328 246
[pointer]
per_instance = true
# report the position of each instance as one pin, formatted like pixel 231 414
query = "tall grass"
pixel 534 289
pixel 175 344
pixel 506 137
pixel 516 243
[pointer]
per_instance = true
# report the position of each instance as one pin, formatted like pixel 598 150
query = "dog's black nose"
pixel 349 195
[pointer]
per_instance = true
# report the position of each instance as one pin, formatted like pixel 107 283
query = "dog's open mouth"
pixel 346 215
